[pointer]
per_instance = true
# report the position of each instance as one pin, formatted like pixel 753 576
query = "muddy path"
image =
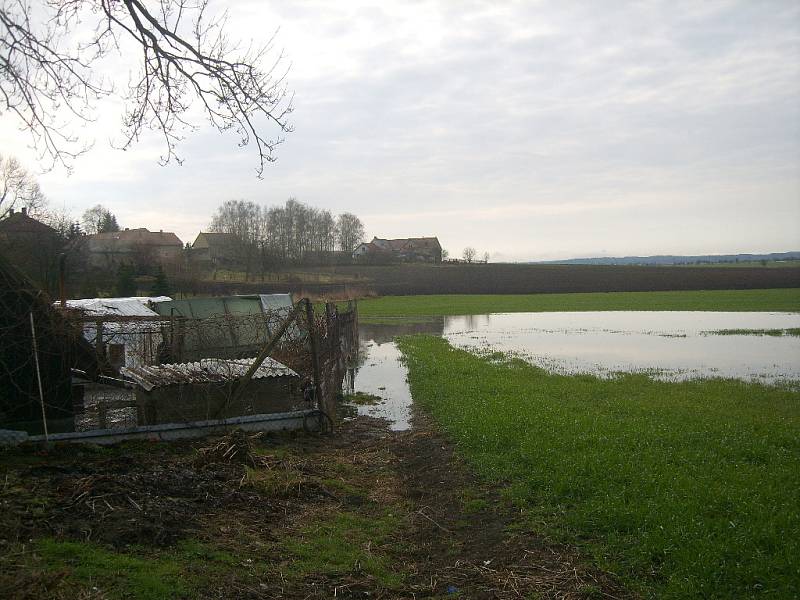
pixel 366 513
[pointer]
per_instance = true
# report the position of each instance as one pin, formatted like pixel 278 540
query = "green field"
pixel 772 300
pixel 681 489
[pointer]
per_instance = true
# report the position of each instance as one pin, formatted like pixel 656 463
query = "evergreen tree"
pixel 126 281
pixel 160 285
pixel 74 231
pixel 109 223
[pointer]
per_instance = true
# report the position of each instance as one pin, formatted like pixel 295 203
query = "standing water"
pixel 666 345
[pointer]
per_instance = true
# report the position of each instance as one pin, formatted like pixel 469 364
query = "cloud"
pixel 526 129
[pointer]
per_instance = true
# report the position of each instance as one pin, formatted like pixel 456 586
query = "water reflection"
pixel 668 345
pixel 379 370
pixel 384 332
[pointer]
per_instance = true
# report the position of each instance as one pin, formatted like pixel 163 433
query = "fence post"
pixel 312 338
pixel 98 346
pixel 262 355
pixel 39 379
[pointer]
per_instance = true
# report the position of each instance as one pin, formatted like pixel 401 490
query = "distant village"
pixel 40 250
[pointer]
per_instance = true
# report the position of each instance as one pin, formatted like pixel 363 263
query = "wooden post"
pixel 261 357
pixel 62 267
pixel 312 338
pixel 98 346
pixel 39 379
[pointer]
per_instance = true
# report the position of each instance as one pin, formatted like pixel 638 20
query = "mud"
pixel 152 496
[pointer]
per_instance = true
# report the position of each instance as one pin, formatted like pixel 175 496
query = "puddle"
pixel 381 372
pixel 666 345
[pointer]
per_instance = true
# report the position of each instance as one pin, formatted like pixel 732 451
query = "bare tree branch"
pixel 50 83
pixel 18 188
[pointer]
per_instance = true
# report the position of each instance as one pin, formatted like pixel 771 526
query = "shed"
pixel 203 390
pixel 127 342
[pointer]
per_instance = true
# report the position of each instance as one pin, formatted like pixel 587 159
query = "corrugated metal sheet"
pixel 221 337
pixel 201 308
pixel 122 307
pixel 207 370
pixel 276 302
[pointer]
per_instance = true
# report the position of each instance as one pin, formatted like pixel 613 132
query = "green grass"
pixel 137 573
pixel 777 300
pixel 362 399
pixel 683 489
pixel 345 543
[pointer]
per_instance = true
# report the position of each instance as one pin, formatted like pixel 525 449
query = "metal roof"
pixel 276 302
pixel 125 307
pixel 207 370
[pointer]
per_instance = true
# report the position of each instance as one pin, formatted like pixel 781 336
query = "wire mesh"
pixel 195 366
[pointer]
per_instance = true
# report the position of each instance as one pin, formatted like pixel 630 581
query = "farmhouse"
pixel 32 247
pixel 132 246
pixel 421 249
pixel 215 249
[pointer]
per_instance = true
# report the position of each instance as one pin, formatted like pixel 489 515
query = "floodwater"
pixel 665 345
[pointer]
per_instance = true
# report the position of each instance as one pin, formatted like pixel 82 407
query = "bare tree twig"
pixel 52 84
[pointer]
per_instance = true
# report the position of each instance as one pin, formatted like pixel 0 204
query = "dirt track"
pixel 263 501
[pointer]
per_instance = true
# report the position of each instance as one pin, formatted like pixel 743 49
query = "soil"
pixel 147 497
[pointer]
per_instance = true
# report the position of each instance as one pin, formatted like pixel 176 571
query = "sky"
pixel 528 130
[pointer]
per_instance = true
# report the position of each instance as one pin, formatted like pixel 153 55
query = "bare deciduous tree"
pixel 18 188
pixel 350 231
pixel 51 73
pixel 486 257
pixel 469 254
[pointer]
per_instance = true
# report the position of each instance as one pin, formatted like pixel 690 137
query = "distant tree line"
pixel 294 233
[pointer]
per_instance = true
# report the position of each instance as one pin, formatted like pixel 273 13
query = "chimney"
pixel 24 211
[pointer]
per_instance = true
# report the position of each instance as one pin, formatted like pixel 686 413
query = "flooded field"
pixel 666 345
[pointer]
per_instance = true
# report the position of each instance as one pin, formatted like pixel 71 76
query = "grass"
pixel 683 489
pixel 346 543
pixel 794 332
pixel 773 300
pixel 131 574
pixel 362 399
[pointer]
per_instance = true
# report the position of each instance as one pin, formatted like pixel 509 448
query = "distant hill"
pixel 677 260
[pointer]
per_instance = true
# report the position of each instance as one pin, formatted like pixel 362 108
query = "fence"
pixel 153 371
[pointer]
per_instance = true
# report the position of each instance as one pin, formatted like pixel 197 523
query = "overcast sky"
pixel 531 130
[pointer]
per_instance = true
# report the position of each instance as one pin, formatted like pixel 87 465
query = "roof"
pixel 142 236
pixel 215 239
pixel 207 370
pixel 400 244
pixel 20 222
pixel 125 307
pixel 276 302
